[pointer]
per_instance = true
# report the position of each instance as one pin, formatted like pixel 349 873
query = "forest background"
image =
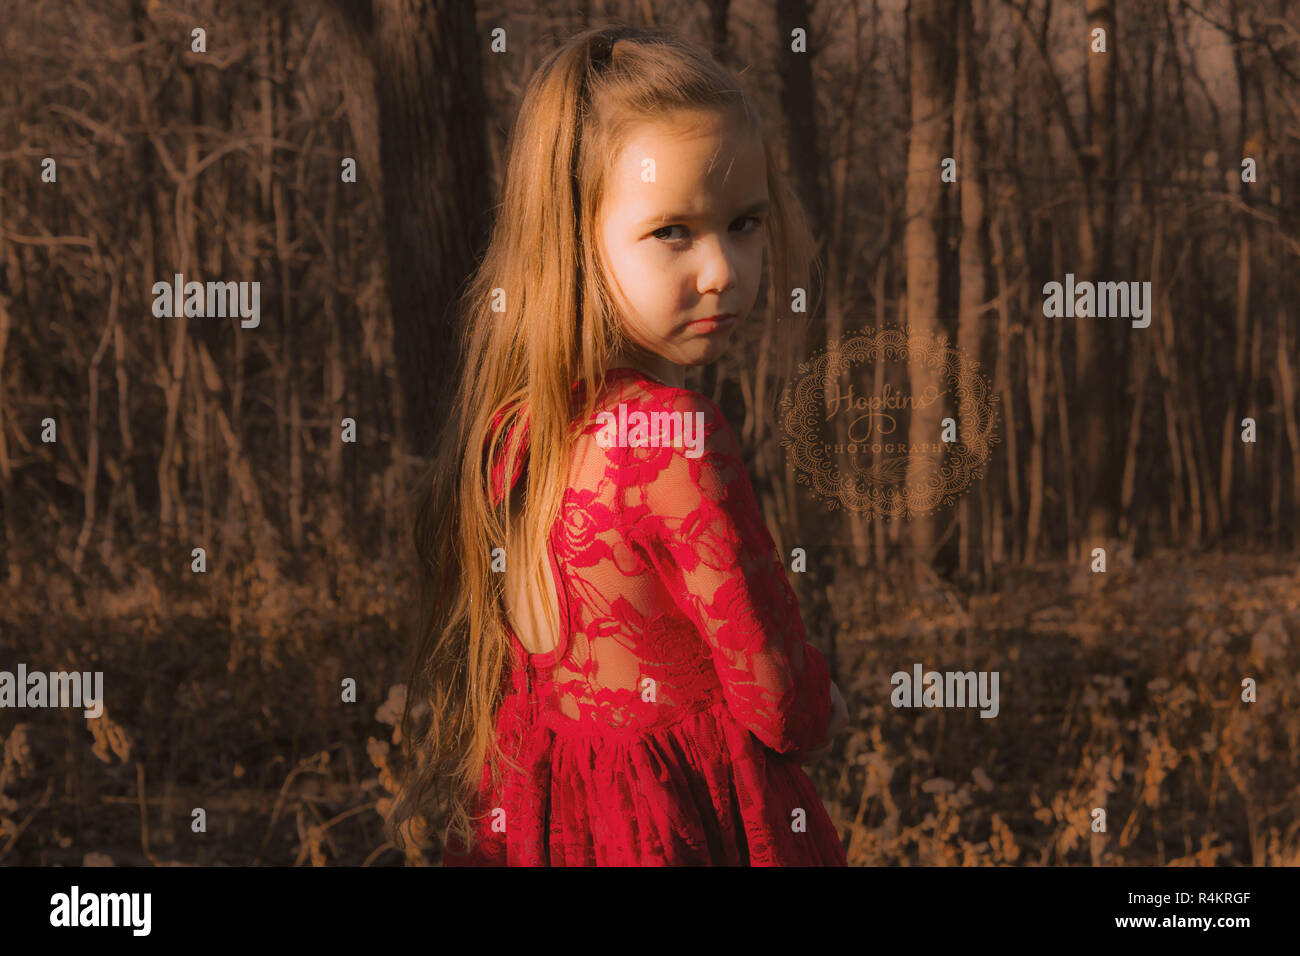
pixel 1171 155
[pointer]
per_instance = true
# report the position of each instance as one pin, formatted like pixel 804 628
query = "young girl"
pixel 612 622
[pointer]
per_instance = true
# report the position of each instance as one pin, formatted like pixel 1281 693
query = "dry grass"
pixel 1122 693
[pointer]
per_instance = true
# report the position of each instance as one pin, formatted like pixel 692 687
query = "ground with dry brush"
pixel 1119 691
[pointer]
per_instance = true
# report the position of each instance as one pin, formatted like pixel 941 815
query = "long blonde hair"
pixel 536 317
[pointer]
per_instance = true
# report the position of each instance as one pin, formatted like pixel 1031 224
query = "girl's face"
pixel 682 234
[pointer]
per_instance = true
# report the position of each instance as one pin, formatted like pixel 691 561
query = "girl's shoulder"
pixel 638 421
pixel 638 428
pixel 631 386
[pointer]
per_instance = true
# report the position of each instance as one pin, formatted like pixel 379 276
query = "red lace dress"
pixel 666 727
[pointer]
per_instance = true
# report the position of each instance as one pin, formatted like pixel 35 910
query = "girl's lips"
pixel 712 325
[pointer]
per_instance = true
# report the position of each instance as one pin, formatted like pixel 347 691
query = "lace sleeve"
pixel 699 524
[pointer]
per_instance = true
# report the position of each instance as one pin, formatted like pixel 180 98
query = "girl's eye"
pixel 665 229
pixel 754 219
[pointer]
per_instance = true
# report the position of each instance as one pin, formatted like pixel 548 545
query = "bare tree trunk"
pixel 144 194
pixel 1286 379
pixel 877 387
pixel 971 252
pixel 168 500
pixel 1128 484
pixel 1166 362
pixel 91 483
pixel 1250 451
pixel 12 558
pixel 124 425
pixel 431 122
pixel 171 371
pixel 1240 384
pixel 798 94
pixel 1096 346
pixel 295 467
pixel 1004 473
pixel 200 470
pixel 1036 362
pixel 1229 441
pixel 335 384
pixel 930 58
pixel 839 254
pixel 1072 537
pixel 803 142
pixel 1201 467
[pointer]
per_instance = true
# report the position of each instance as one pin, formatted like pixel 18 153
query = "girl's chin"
pixel 711 342
pixel 703 354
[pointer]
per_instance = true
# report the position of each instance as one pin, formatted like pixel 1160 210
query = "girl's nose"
pixel 717 272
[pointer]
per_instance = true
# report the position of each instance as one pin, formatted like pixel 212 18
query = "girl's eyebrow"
pixel 758 206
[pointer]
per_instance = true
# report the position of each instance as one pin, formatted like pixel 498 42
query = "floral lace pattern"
pixel 667 726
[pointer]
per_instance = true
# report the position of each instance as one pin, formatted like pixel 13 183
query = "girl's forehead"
pixel 685 128
pixel 711 152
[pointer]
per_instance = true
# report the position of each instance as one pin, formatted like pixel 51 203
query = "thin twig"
pixel 49 788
